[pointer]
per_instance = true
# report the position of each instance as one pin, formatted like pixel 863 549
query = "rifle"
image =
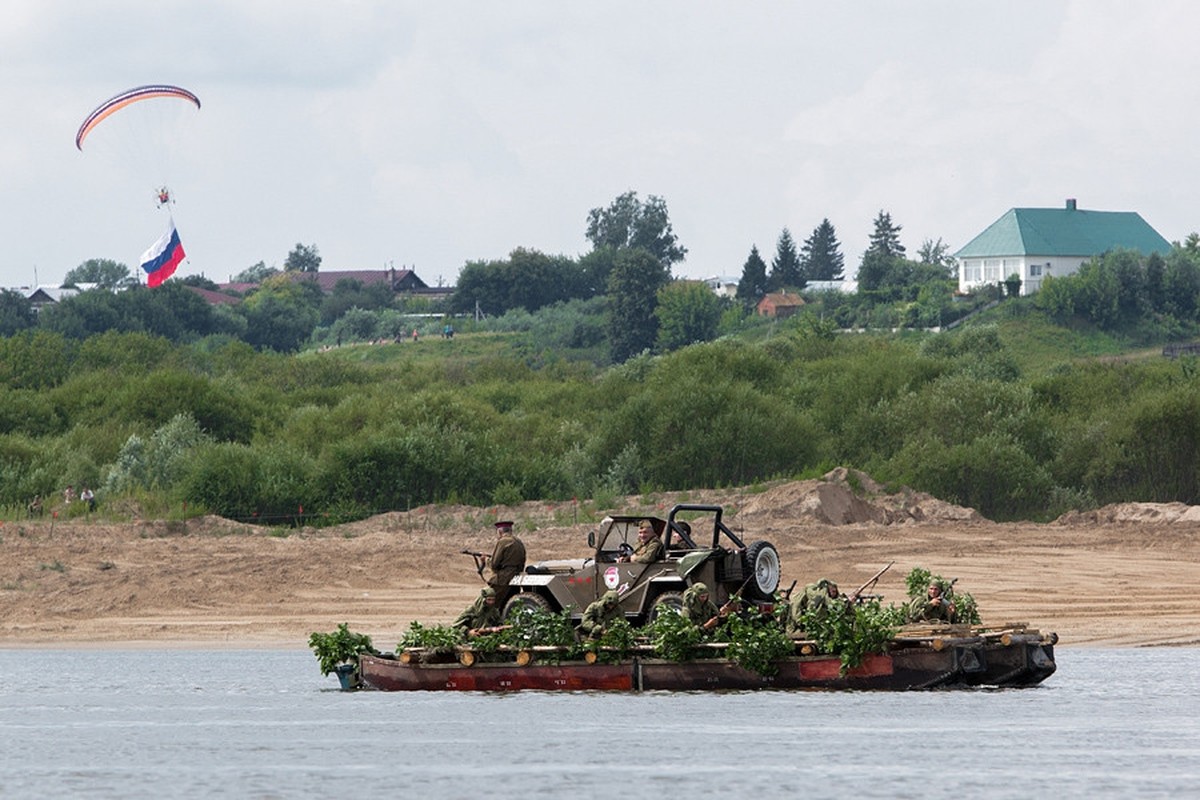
pixel 874 579
pixel 483 631
pixel 480 559
pixel 733 600
pixel 787 595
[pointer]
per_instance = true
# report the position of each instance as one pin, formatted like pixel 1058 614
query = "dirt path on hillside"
pixel 1124 575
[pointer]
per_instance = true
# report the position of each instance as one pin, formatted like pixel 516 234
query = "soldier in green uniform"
pixel 600 614
pixel 506 561
pixel 933 607
pixel 650 547
pixel 483 613
pixel 816 596
pixel 701 611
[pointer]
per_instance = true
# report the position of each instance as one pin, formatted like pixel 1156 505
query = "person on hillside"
pixel 598 616
pixel 506 561
pixel 480 616
pixel 933 607
pixel 650 547
pixel 701 611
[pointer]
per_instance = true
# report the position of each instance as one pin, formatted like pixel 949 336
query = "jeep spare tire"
pixel 762 568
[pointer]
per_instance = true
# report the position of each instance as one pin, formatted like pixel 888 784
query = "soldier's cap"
pixel 610 596
pixel 699 588
pixel 505 525
pixel 645 524
pixel 487 591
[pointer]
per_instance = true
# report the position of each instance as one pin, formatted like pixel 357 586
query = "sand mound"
pixel 1133 513
pixel 849 497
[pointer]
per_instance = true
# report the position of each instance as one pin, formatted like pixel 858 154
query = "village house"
pixel 400 281
pixel 779 305
pixel 1033 243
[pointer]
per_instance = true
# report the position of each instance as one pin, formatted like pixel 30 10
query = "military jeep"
pixel 700 548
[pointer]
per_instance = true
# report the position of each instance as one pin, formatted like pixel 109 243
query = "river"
pixel 266 724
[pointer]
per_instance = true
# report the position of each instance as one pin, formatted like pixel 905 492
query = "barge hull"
pixel 1017 664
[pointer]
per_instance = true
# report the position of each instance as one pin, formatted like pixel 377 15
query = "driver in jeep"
pixel 650 547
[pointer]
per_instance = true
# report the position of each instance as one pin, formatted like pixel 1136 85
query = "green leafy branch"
pixel 343 646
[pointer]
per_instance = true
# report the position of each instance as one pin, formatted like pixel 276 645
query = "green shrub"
pixel 340 647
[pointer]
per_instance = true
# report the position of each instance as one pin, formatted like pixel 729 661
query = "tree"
pixel 255 274
pixel 786 272
pixel 687 312
pixel 821 255
pixel 303 258
pixel 883 263
pixel 16 312
pixel 633 287
pixel 349 293
pixel 936 254
pixel 885 239
pixel 753 285
pixel 628 222
pixel 282 314
pixel 104 272
pixel 528 279
pixel 1156 269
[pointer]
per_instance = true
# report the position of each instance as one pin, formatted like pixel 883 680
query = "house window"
pixel 991 269
pixel 1035 270
pixel 971 272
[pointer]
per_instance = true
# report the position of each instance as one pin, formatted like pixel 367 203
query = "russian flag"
pixel 160 261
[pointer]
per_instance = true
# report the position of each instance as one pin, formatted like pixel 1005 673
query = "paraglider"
pixel 161 259
pixel 135 95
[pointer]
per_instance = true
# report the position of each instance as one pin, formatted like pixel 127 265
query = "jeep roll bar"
pixel 719 527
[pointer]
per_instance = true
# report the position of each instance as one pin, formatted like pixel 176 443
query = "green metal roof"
pixel 1064 232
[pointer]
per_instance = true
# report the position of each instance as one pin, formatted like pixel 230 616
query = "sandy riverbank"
pixel 1122 576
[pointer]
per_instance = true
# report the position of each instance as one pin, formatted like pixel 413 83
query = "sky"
pixel 427 135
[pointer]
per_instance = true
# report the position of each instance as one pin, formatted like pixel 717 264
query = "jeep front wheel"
pixel 762 564
pixel 667 602
pixel 526 601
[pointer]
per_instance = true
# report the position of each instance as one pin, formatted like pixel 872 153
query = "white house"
pixel 1035 242
pixel 722 286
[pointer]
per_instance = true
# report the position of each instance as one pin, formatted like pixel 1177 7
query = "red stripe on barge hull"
pixel 390 675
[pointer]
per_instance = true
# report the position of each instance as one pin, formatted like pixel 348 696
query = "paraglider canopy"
pixel 128 97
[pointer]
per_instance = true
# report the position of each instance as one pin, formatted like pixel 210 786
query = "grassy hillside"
pixel 1008 413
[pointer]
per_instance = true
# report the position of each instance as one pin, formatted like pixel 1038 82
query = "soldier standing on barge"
pixel 506 561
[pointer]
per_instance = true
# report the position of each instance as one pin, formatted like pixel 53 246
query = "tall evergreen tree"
pixel 786 272
pixel 883 263
pixel 753 284
pixel 885 239
pixel 821 256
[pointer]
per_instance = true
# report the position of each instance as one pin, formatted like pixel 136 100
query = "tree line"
pixel 225 428
pixel 634 248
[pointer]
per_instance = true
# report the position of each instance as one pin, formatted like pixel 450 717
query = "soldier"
pixel 482 614
pixel 506 561
pixel 702 611
pixel 933 607
pixel 650 547
pixel 816 596
pixel 600 614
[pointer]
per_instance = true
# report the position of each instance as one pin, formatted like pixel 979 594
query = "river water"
pixel 266 724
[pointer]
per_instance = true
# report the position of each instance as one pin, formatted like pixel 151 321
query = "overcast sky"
pixel 427 135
